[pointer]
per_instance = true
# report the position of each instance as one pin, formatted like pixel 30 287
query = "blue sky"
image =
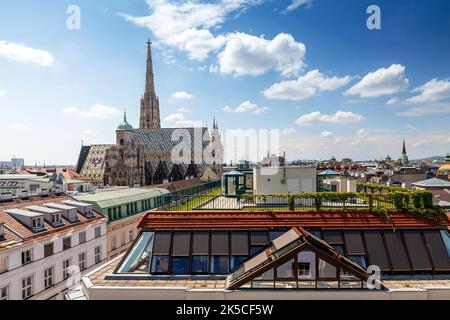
pixel 316 72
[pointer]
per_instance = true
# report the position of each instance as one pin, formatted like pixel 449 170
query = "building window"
pixel 219 264
pixel 98 232
pixel 98 254
pixel 361 260
pixel 82 237
pixel 3 264
pixel 115 213
pixel 128 209
pixel 135 207
pixel 236 261
pixel 160 264
pixel 110 214
pixel 304 269
pixel 113 243
pixel 27 256
pixel 119 210
pixel 56 219
pixel 67 243
pixel 27 287
pixel 48 277
pixel 82 261
pixel 66 266
pixel 130 236
pixel 200 264
pixel 48 250
pixel 37 223
pixel 123 240
pixel 4 293
pixel 180 265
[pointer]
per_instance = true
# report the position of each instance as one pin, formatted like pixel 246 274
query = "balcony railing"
pixel 417 203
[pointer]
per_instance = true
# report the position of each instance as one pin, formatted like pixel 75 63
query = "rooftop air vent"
pixel 33 220
pixel 23 194
pixel 6 196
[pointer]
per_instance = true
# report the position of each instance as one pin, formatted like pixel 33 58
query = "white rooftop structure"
pixel 432 183
pixel 25 213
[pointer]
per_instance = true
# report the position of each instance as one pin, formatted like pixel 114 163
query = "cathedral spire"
pixel 404 146
pixel 149 83
pixel 149 102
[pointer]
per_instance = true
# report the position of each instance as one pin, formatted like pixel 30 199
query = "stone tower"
pixel 150 118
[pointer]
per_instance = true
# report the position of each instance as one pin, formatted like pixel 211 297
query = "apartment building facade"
pixel 46 245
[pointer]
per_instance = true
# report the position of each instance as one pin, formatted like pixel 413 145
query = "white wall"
pixel 268 180
pixel 13 278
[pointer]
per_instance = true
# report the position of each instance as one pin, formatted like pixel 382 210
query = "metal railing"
pixel 310 202
pixel 198 189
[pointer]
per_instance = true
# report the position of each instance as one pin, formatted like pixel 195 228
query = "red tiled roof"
pixel 16 231
pixel 280 219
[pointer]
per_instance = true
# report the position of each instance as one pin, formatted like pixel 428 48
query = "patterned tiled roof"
pixel 94 164
pixel 159 144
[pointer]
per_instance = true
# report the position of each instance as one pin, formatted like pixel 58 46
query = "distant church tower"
pixel 404 159
pixel 150 118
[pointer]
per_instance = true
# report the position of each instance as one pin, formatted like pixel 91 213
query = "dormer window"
pixel 37 223
pixel 56 219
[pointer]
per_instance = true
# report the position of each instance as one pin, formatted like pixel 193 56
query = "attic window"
pixel 56 219
pixel 37 223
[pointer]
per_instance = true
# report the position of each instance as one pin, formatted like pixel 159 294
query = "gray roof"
pixel 329 172
pixel 234 173
pixel 433 183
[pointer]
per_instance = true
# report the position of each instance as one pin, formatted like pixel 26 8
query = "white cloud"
pixel 392 101
pixel 197 43
pixel 21 53
pixel 227 109
pixel 295 4
pixel 381 82
pixel 431 91
pixel 245 54
pixel 361 137
pixel 247 106
pixel 181 95
pixel 288 131
pixel 412 128
pixel 326 134
pixel 426 111
pixel 338 118
pixel 362 133
pixel 185 24
pixel 179 120
pixel 2 93
pixel 183 110
pixel 305 86
pixel 98 111
pixel 18 126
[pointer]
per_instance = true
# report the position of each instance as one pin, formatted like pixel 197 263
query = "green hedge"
pixel 417 203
